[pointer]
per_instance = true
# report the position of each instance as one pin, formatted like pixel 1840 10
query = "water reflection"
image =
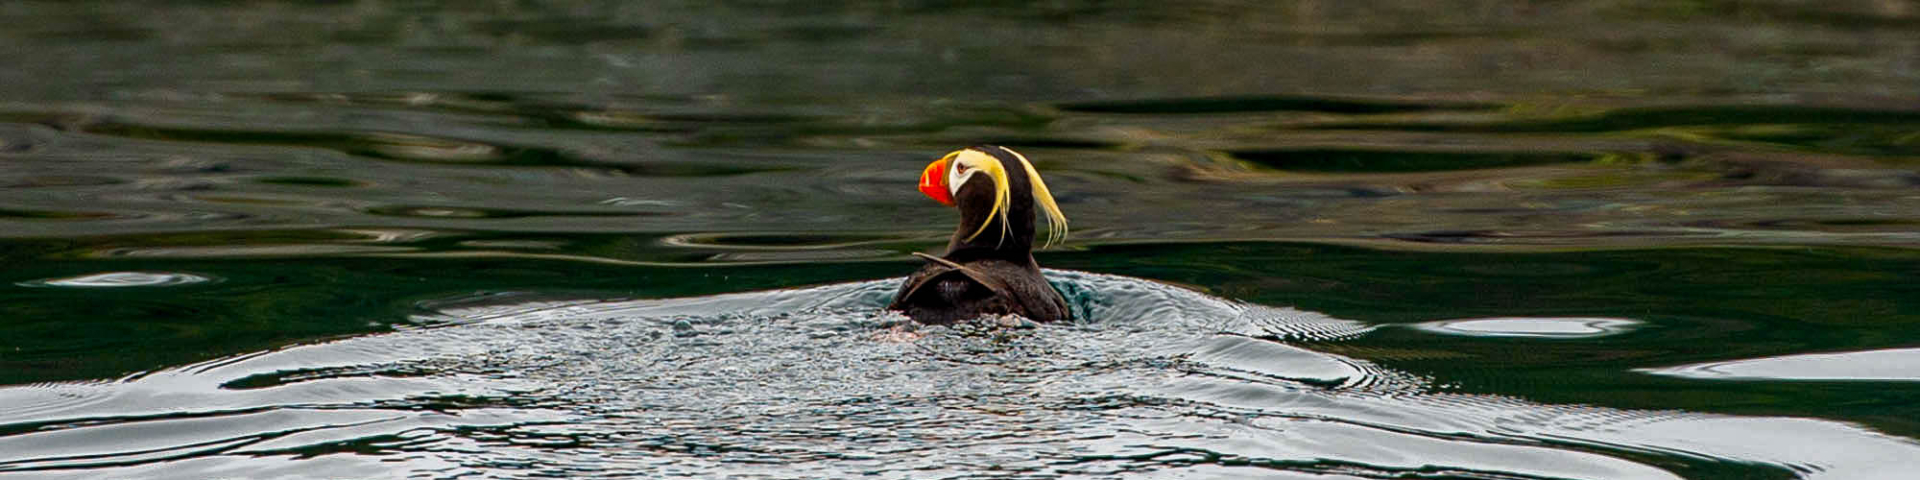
pixel 286 195
pixel 1124 176
pixel 1155 380
pixel 1875 365
pixel 1531 327
pixel 120 279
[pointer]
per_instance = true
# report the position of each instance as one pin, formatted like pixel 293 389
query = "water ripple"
pixel 813 383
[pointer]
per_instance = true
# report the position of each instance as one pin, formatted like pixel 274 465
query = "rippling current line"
pixel 816 383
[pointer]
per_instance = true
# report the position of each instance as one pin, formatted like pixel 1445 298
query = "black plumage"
pixel 989 273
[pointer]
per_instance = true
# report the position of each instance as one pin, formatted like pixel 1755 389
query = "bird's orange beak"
pixel 933 182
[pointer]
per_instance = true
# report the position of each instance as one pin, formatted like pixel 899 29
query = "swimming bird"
pixel 988 268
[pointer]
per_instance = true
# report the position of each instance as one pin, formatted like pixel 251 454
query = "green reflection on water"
pixel 414 148
pixel 1271 103
pixel 1651 117
pixel 1357 160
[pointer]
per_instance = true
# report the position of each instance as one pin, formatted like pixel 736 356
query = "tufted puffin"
pixel 988 268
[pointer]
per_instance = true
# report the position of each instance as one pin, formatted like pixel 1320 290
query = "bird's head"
pixel 977 181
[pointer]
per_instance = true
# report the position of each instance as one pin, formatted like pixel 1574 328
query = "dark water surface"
pixel 1475 239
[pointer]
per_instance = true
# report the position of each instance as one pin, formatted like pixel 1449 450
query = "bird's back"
pixel 940 294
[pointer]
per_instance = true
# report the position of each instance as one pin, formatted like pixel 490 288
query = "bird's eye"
pixel 959 169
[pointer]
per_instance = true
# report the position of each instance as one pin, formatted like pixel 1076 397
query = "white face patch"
pixel 962 169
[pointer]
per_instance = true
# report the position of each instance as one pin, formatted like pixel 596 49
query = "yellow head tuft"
pixel 1056 221
pixel 975 161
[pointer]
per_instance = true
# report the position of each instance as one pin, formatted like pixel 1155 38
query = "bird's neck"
pixel 1013 243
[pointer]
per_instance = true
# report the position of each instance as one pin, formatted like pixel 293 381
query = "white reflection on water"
pixel 120 280
pixel 1898 364
pixel 1538 327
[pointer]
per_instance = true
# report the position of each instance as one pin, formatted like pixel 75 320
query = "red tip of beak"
pixel 933 182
